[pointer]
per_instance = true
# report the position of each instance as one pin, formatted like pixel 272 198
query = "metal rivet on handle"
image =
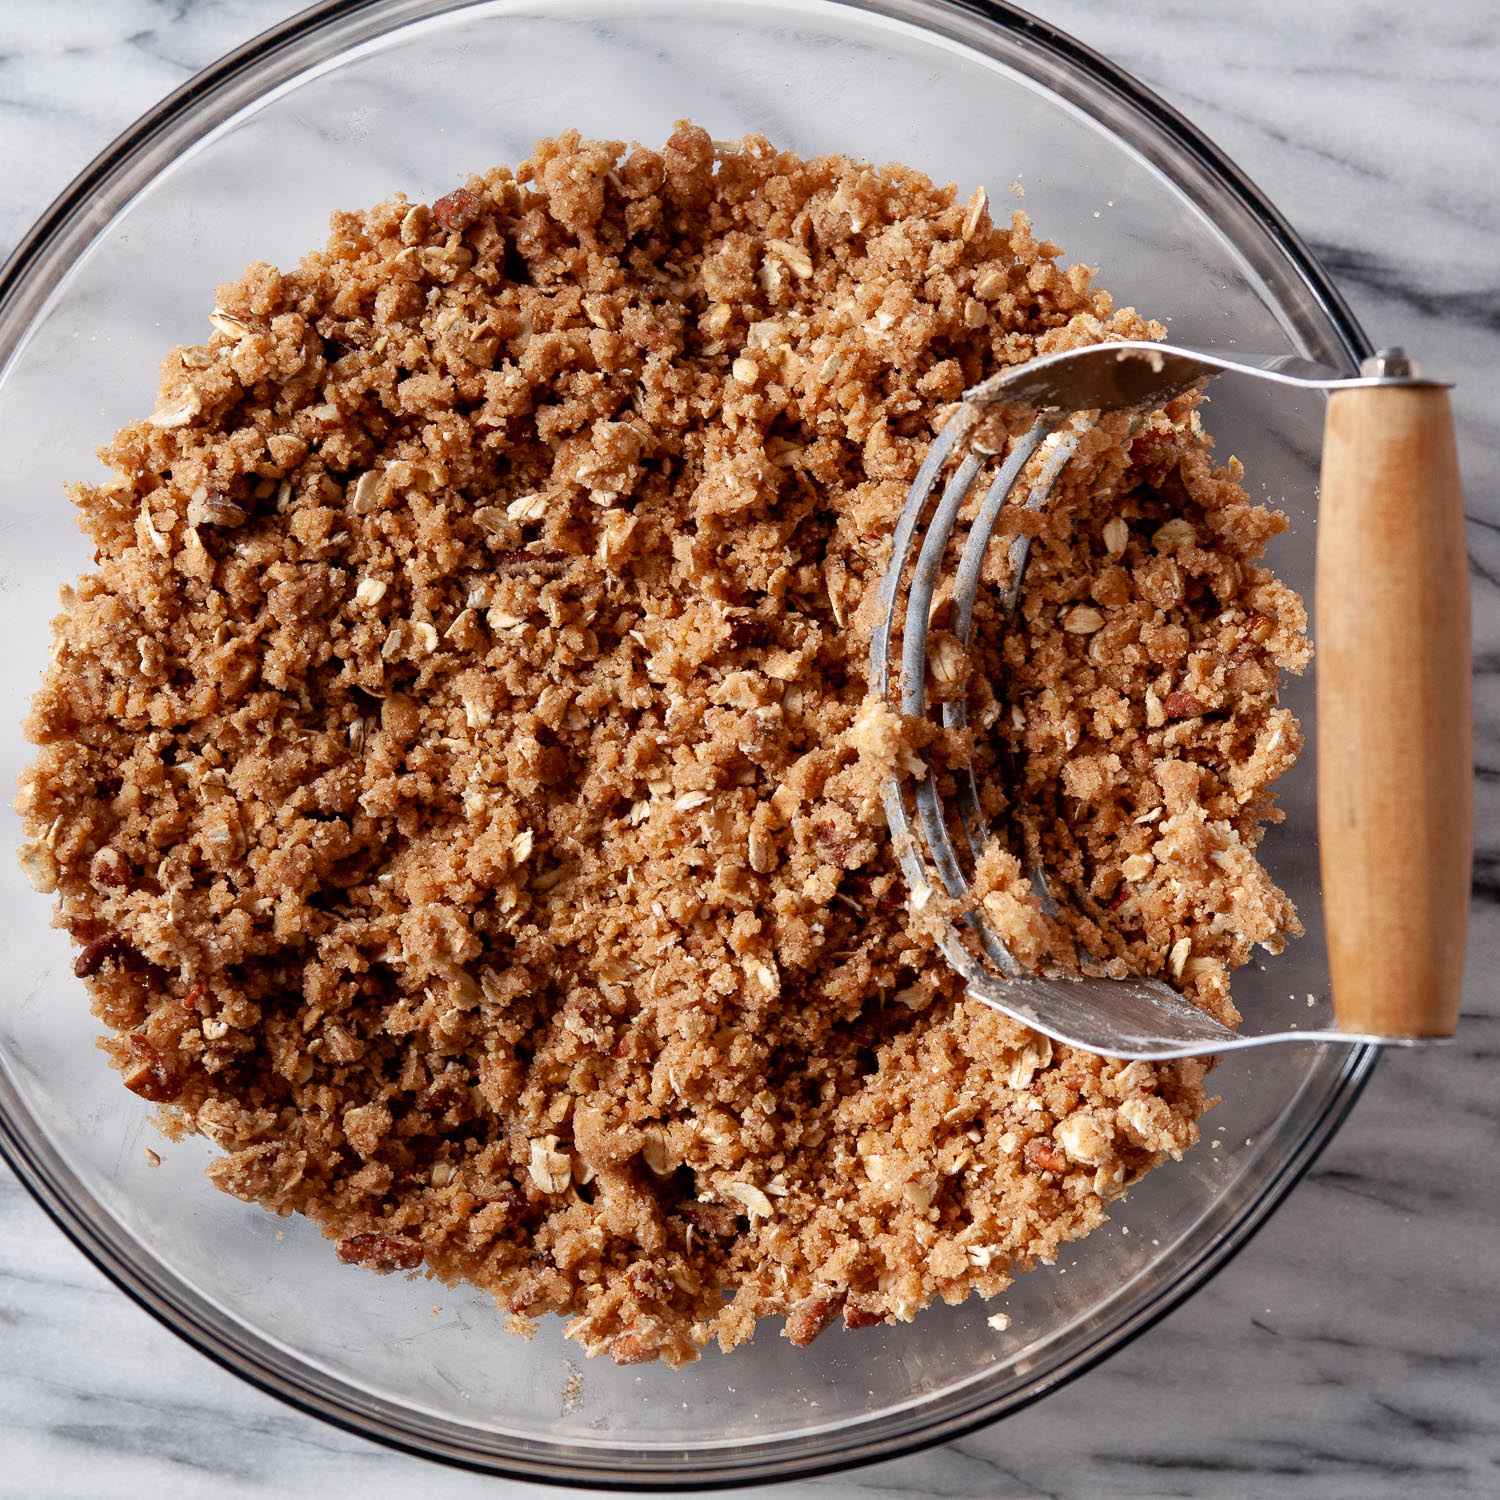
pixel 1389 364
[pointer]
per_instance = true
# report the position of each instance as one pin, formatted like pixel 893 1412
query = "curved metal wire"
pixel 966 588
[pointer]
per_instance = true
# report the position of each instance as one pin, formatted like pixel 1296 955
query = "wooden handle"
pixel 1395 724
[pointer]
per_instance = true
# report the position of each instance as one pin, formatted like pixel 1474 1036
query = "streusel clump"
pixel 458 772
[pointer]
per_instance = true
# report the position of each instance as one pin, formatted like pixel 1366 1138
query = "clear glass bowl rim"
pixel 61 1196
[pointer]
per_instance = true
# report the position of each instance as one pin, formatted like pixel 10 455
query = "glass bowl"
pixel 341 107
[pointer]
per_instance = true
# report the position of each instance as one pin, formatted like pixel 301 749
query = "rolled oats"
pixel 755 1202
pixel 550 1168
pixel 178 411
pixel 527 508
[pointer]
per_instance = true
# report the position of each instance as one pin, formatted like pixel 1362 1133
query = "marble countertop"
pixel 1361 1360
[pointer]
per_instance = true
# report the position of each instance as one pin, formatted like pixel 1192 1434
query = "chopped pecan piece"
pixel 112 946
pixel 150 1076
pixel 442 1097
pixel 109 869
pixel 513 561
pixel 644 1281
pixel 839 848
pixel 1040 1153
pixel 1157 456
pixel 457 210
pixel 857 1315
pixel 811 1316
pixel 628 1349
pixel 529 1296
pixel 747 630
pixel 380 1252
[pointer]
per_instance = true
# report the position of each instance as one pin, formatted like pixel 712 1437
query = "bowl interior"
pixel 411 96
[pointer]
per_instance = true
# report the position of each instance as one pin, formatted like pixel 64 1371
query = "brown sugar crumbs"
pixel 458 771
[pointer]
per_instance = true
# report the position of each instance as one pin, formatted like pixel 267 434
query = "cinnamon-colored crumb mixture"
pixel 459 777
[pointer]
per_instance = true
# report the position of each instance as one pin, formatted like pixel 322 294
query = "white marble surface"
pixel 1354 1348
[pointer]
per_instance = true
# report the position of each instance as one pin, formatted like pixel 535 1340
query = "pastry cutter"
pixel 1395 729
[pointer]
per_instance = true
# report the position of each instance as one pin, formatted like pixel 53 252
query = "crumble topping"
pixel 459 777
